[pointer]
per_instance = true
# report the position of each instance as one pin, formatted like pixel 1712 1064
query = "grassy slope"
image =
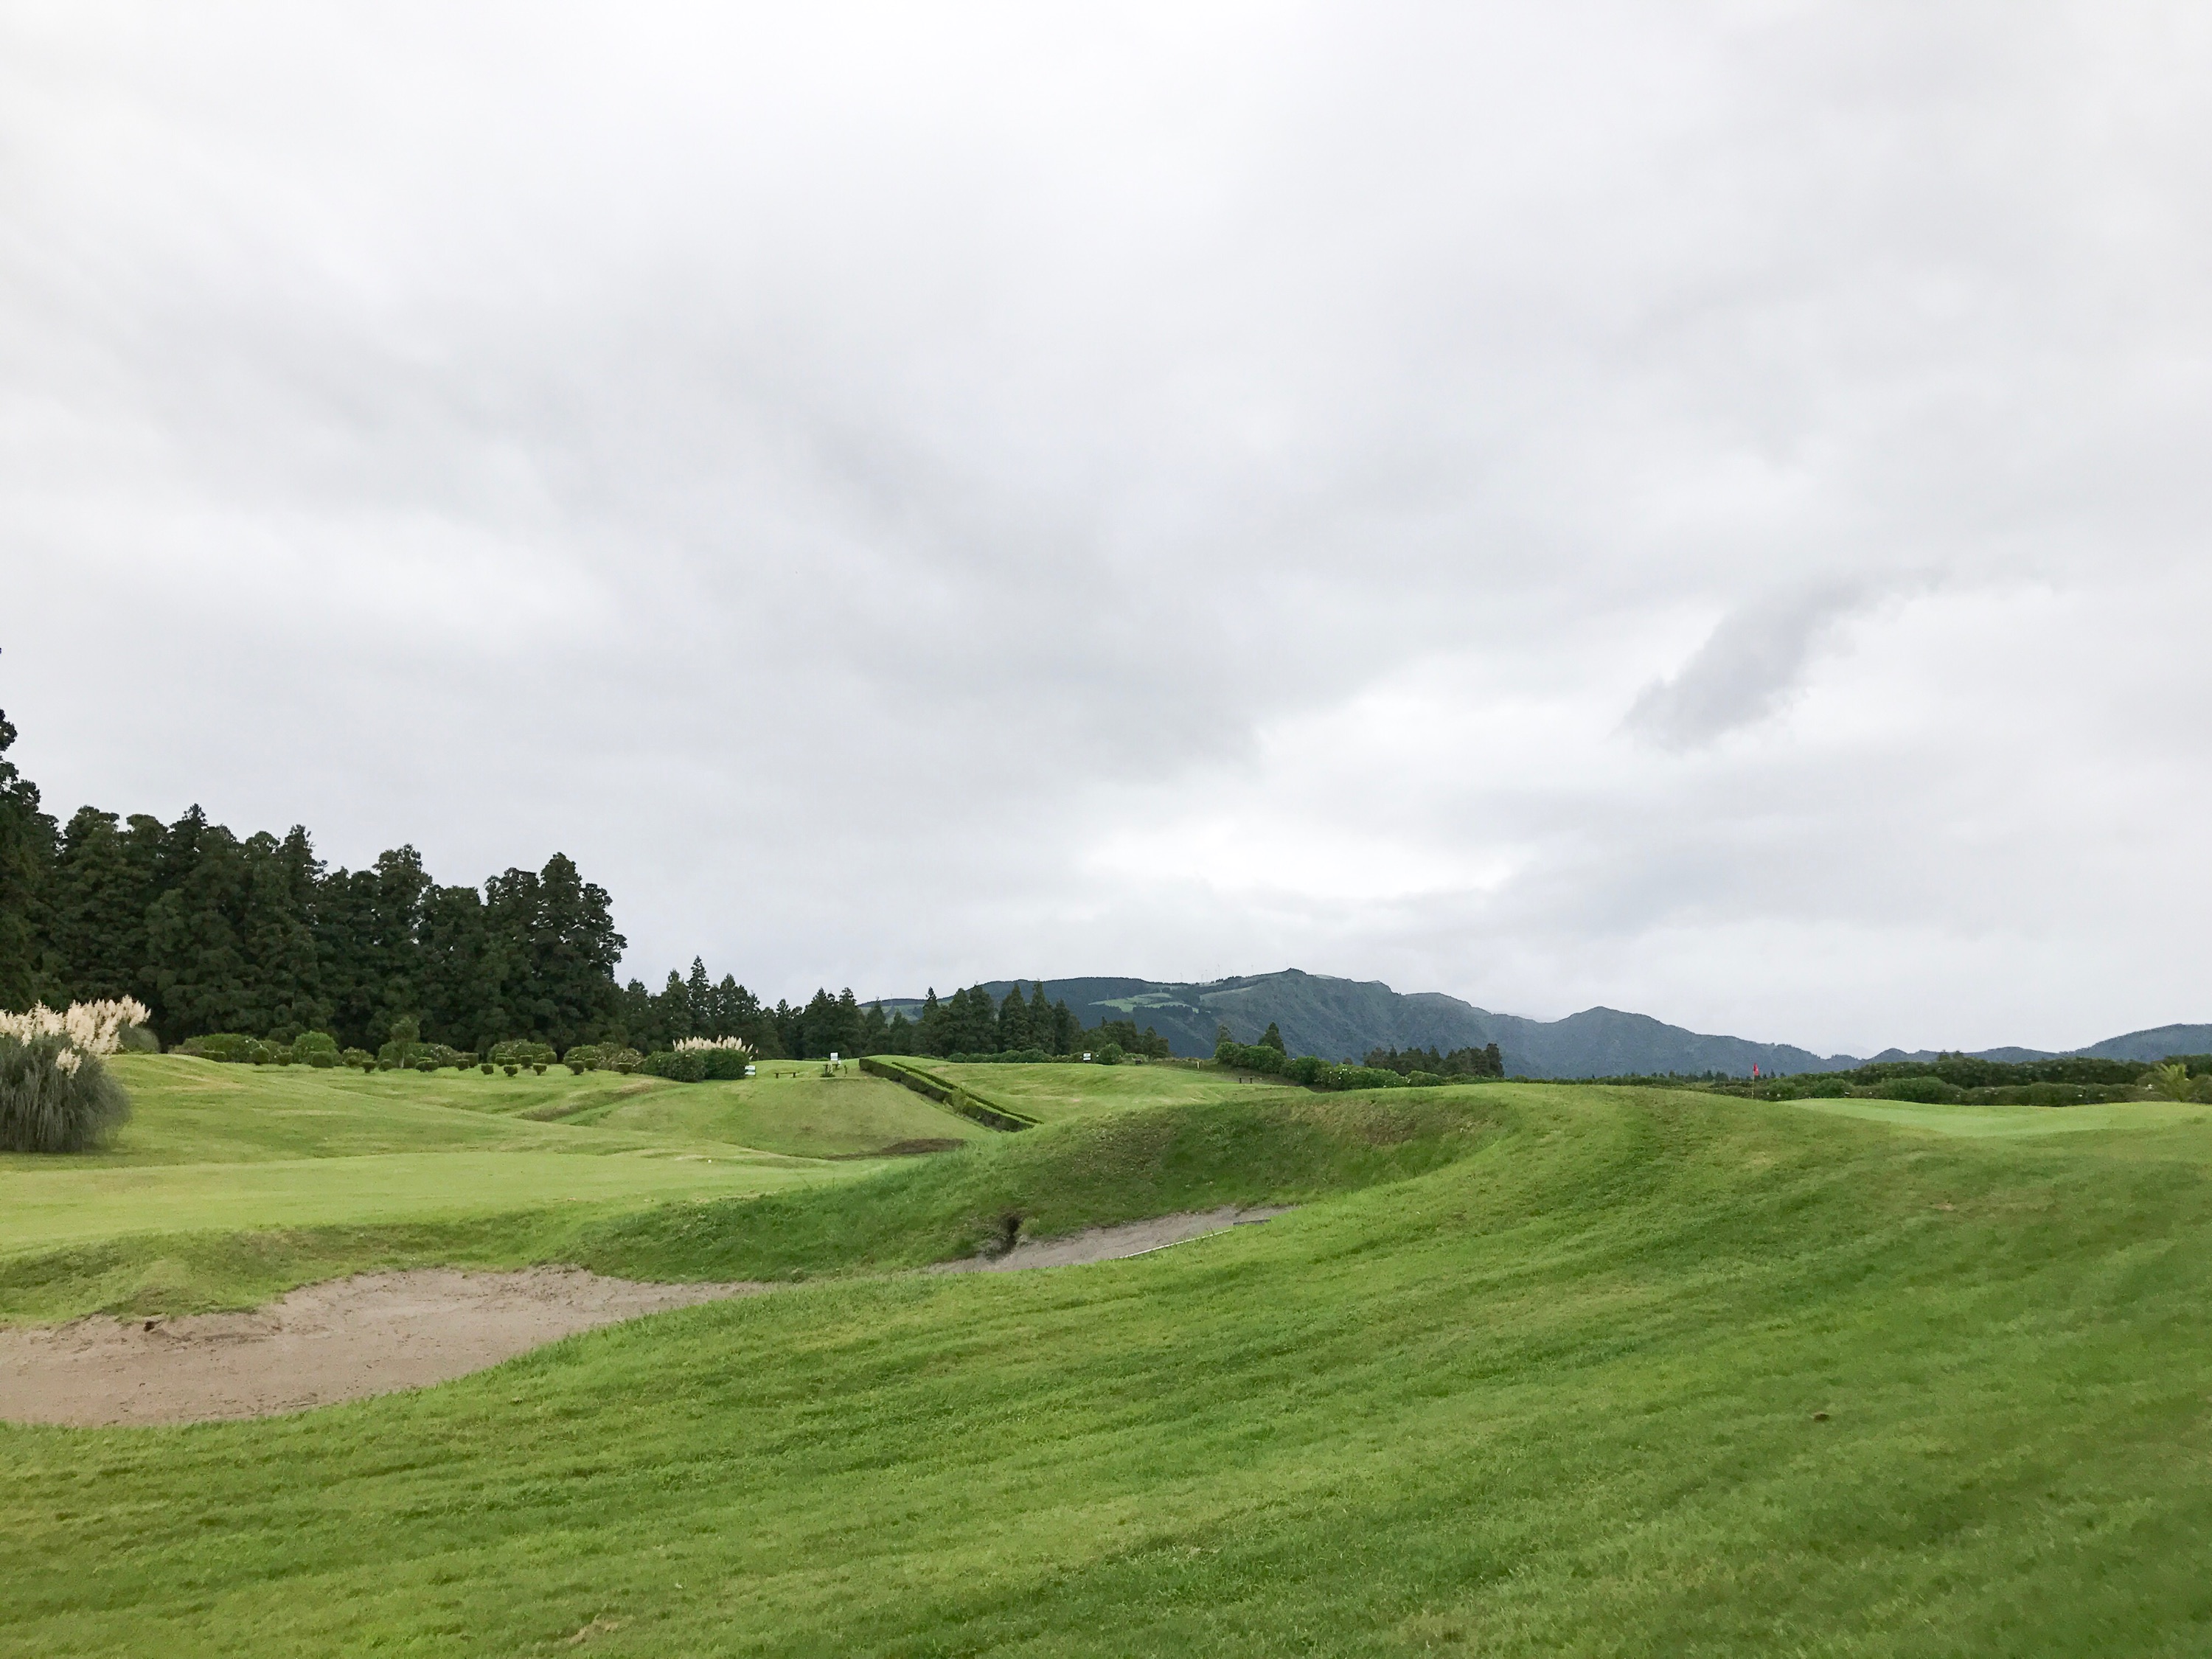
pixel 799 1113
pixel 1052 1093
pixel 1554 1396
pixel 333 1171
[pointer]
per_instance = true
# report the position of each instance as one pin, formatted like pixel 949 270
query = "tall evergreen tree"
pixel 1013 1023
pixel 699 992
pixel 27 838
pixel 99 888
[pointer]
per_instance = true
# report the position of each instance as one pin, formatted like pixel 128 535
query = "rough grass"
pixel 1058 1179
pixel 1561 1394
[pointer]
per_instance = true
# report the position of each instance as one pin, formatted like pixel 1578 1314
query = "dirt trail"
pixel 376 1333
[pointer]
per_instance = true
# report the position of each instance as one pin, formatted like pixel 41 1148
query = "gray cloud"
pixel 904 496
pixel 1749 667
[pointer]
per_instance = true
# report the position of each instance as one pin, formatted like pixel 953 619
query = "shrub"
pixel 582 1058
pixel 360 1057
pixel 510 1068
pixel 1110 1054
pixel 2169 1081
pixel 137 1040
pixel 233 1048
pixel 725 1065
pixel 488 1068
pixel 624 1060
pixel 521 1052
pixel 309 1043
pixel 677 1065
pixel 54 1097
pixel 426 1065
pixel 1925 1091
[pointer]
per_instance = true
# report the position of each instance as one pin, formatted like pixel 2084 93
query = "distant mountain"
pixel 2156 1043
pixel 1343 1018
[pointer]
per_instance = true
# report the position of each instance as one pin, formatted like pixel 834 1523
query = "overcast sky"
pixel 1699 508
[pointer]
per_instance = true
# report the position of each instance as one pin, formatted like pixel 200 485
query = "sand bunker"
pixel 379 1333
pixel 323 1343
pixel 1110 1243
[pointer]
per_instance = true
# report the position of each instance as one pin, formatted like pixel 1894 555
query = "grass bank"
pixel 1640 1373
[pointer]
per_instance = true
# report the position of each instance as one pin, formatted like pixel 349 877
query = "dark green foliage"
pixel 215 933
pixel 26 842
pixel 1948 1079
pixel 1312 1070
pixel 583 1058
pixel 677 1065
pixel 1485 1061
pixel 723 1065
pixel 54 1099
pixel 1272 1038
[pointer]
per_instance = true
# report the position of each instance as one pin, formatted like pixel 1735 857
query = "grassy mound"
pixel 1648 1373
pixel 1050 1181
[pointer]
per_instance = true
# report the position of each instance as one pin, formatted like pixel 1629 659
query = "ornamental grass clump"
pixel 56 1096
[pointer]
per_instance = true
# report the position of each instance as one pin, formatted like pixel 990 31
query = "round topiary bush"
pixel 510 1068
pixel 55 1099
pixel 488 1068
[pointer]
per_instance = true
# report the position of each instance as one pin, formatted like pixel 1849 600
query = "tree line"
pixel 217 933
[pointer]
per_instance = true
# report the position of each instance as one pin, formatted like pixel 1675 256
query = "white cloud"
pixel 904 496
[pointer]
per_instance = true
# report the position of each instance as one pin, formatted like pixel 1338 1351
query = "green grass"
pixel 1052 1093
pixel 333 1171
pixel 1979 1120
pixel 1535 1372
pixel 800 1113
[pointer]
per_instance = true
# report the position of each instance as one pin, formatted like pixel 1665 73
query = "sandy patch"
pixel 380 1333
pixel 346 1340
pixel 1110 1243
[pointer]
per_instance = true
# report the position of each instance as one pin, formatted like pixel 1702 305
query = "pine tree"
pixel 875 1030
pixel 1013 1023
pixel 672 1011
pixel 193 952
pixel 98 892
pixel 699 992
pixel 1066 1029
pixel 27 840
pixel 1271 1038
pixel 930 1029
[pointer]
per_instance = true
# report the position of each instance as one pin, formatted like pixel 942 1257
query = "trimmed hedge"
pixel 945 1092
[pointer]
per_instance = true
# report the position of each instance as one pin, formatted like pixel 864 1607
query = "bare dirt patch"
pixel 1109 1243
pixel 380 1333
pixel 346 1340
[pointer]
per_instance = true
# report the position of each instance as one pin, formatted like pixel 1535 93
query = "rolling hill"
pixel 1343 1018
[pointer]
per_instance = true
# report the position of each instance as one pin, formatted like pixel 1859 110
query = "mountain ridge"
pixel 1343 1018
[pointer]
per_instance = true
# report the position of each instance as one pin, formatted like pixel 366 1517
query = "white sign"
pixel 833 1056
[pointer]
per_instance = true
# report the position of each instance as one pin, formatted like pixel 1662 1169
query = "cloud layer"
pixel 1692 510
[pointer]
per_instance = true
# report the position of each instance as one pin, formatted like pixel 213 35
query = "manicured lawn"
pixel 1051 1093
pixel 789 1110
pixel 1599 1372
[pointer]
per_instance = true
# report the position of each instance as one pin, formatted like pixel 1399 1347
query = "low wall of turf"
pixel 952 1095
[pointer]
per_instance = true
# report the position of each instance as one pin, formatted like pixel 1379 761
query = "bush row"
pixel 1315 1072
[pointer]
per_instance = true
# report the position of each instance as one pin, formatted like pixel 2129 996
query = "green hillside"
pixel 231 1183
pixel 1534 1370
